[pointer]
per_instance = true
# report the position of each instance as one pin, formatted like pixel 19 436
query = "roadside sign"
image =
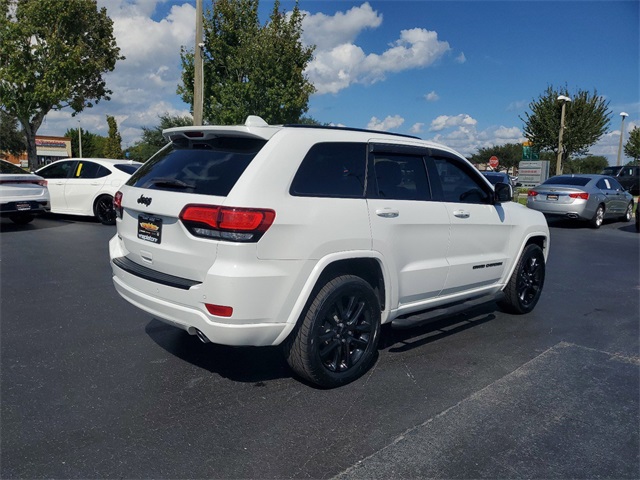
pixel 493 162
pixel 533 173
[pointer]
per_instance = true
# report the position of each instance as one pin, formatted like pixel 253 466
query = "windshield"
pixel 208 167
pixel 613 171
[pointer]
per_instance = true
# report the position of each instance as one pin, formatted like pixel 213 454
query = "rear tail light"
pixel 117 204
pixel 42 183
pixel 532 193
pixel 581 195
pixel 227 223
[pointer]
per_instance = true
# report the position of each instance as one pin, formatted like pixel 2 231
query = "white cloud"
pixel 339 62
pixel 144 84
pixel 517 106
pixel 461 58
pixel 417 128
pixel 327 32
pixel 432 96
pixel 445 121
pixel 460 132
pixel 389 123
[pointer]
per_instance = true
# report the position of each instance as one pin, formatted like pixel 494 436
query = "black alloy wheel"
pixel 336 340
pixel 525 285
pixel 104 211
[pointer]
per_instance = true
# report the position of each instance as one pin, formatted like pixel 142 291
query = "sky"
pixel 459 73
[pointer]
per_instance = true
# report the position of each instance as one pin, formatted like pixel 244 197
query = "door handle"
pixel 387 213
pixel 461 214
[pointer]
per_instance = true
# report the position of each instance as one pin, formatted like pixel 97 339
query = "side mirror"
pixel 503 193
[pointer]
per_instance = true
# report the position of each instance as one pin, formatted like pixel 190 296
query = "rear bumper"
pixel 261 294
pixel 576 210
pixel 24 206
pixel 192 319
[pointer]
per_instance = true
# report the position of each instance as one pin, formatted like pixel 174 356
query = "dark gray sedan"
pixel 583 197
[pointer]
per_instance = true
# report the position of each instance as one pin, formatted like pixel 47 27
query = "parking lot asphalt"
pixel 91 387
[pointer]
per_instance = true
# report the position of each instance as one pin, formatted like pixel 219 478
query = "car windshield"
pixel 207 167
pixel 574 181
pixel 495 178
pixel 613 171
pixel 6 167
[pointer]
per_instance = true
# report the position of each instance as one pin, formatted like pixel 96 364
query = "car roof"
pixel 103 161
pixel 256 127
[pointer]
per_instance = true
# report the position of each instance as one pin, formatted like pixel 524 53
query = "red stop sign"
pixel 493 162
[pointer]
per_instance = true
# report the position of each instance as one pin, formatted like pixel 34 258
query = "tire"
pixel 598 217
pixel 629 213
pixel 336 339
pixel 104 211
pixel 525 285
pixel 21 218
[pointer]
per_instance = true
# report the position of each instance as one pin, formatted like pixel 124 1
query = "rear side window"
pixel 401 177
pixel 332 170
pixel 126 168
pixel 210 167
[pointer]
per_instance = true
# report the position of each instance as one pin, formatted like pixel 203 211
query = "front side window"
pixel 58 170
pixel 207 167
pixel 332 170
pixel 458 185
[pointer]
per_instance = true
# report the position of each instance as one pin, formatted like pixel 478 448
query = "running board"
pixel 413 320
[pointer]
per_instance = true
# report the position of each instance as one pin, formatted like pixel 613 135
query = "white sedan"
pixel 22 194
pixel 86 186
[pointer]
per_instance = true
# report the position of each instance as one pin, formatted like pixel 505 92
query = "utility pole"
pixel 564 99
pixel 198 74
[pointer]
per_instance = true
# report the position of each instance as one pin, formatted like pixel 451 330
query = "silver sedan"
pixel 583 197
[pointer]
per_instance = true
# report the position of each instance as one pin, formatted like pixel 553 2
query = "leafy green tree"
pixel 92 144
pixel 509 155
pixel 113 146
pixel 632 147
pixel 588 164
pixel 249 68
pixel 54 54
pixel 587 118
pixel 11 140
pixel 152 139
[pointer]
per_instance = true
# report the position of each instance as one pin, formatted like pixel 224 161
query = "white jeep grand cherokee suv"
pixel 312 237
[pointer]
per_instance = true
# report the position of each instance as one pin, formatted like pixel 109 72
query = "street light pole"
pixel 623 115
pixel 198 74
pixel 564 99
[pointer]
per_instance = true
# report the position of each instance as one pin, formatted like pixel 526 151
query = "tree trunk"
pixel 30 129
pixel 32 152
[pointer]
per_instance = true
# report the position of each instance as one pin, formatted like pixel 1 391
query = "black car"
pixel 628 176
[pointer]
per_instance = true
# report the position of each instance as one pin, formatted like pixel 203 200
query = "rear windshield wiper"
pixel 170 183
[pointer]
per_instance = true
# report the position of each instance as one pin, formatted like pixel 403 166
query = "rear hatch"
pixel 197 169
pixel 557 195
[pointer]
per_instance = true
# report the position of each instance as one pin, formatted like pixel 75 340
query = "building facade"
pixel 48 150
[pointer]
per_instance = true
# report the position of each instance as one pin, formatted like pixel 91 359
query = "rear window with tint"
pixel 6 167
pixel 210 167
pixel 574 181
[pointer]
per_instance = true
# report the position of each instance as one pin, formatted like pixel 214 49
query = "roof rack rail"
pixel 350 129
